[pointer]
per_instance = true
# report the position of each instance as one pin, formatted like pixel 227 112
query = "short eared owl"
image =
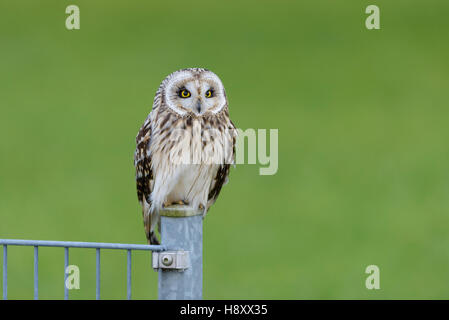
pixel 185 146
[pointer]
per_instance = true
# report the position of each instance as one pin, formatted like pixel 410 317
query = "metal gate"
pixel 178 260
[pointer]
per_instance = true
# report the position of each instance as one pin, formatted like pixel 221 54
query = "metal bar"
pixel 66 264
pixel 36 272
pixel 5 272
pixel 97 296
pixel 128 275
pixel 182 233
pixel 76 244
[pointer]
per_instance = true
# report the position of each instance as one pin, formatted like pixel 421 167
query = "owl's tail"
pixel 150 234
pixel 152 238
pixel 148 222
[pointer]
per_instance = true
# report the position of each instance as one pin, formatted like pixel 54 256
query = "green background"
pixel 363 142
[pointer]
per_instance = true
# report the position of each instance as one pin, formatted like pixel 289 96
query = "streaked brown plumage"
pixel 185 146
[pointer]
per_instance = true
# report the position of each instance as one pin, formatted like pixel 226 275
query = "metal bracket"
pixel 175 260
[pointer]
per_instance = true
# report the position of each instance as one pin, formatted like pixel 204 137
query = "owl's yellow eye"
pixel 184 93
pixel 209 93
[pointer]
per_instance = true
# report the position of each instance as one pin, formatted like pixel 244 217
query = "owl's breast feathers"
pixel 183 157
pixel 142 163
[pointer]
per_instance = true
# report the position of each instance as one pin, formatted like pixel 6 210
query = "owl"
pixel 185 147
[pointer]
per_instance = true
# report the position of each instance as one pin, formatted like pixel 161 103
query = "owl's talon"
pixel 180 202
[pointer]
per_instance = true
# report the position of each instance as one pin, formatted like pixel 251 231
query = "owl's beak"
pixel 198 106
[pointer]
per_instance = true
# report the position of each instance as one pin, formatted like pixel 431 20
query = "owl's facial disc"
pixel 196 95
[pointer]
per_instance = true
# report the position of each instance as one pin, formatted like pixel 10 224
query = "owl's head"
pixel 193 91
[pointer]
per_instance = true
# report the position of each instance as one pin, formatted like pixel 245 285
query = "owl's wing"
pixel 142 163
pixel 221 177
pixel 142 158
pixel 144 176
pixel 218 182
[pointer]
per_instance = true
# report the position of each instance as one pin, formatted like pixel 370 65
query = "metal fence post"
pixel 5 272
pixel 128 274
pixel 66 264
pixel 98 268
pixel 182 230
pixel 36 272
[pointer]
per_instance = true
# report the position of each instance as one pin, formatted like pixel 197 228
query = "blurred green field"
pixel 363 142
